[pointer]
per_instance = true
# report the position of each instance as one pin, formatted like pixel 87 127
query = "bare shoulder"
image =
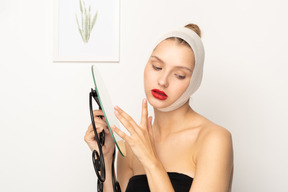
pixel 213 137
pixel 215 133
pixel 210 131
pixel 213 158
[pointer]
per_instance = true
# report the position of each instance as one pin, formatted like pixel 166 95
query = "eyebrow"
pixel 180 67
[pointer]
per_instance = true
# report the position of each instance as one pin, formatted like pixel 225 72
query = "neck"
pixel 166 123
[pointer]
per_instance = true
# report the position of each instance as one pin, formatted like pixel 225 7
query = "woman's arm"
pixel 124 169
pixel 107 149
pixel 141 144
pixel 214 158
pixel 158 178
pixel 107 185
pixel 214 162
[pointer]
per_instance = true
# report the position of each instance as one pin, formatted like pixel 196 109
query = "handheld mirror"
pixel 107 108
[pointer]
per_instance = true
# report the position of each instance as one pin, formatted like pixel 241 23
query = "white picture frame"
pixel 86 31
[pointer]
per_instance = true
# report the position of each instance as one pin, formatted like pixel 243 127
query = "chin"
pixel 156 103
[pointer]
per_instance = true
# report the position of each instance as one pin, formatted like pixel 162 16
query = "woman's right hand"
pixel 109 146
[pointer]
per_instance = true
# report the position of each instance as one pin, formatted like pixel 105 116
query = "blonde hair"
pixel 194 28
pixel 191 26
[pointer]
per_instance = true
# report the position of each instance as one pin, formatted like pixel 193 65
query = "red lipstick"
pixel 159 94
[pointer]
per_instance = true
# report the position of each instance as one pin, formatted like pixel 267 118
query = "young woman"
pixel 181 150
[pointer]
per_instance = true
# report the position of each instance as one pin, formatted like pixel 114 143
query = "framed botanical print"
pixel 86 31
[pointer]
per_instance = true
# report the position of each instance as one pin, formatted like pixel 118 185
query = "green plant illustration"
pixel 87 22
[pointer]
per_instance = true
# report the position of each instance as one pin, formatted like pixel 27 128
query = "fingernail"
pixel 145 100
pixel 116 112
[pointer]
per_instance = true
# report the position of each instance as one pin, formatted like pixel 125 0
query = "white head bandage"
pixel 195 43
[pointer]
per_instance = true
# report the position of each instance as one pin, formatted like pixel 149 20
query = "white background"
pixel 44 105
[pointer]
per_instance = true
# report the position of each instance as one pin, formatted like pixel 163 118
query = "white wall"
pixel 44 105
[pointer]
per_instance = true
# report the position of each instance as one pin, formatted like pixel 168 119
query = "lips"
pixel 159 94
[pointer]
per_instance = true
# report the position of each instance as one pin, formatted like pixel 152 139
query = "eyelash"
pixel 159 68
pixel 180 76
pixel 156 68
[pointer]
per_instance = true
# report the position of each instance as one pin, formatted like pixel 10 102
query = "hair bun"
pixel 194 28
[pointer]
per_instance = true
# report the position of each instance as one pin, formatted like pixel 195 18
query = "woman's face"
pixel 167 73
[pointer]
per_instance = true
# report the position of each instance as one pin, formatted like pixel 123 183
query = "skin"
pixel 180 141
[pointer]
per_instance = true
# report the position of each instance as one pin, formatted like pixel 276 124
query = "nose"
pixel 163 81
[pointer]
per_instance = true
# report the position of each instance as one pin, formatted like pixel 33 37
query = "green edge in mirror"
pixel 103 109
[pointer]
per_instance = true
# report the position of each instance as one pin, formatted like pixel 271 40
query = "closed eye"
pixel 156 68
pixel 180 76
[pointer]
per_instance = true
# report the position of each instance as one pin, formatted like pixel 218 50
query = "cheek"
pixel 181 87
pixel 148 76
pixel 145 75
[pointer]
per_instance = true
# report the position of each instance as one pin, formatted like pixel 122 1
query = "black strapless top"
pixel 180 182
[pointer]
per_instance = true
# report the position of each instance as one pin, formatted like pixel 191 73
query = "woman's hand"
pixel 108 148
pixel 141 136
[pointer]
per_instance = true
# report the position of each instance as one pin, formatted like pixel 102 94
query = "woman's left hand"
pixel 141 136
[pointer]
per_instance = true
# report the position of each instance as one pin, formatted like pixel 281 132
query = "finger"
pixel 89 136
pixel 149 125
pixel 90 128
pixel 99 124
pixel 144 115
pixel 98 121
pixel 99 129
pixel 97 113
pixel 107 130
pixel 121 134
pixel 125 115
pixel 90 140
pixel 125 119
